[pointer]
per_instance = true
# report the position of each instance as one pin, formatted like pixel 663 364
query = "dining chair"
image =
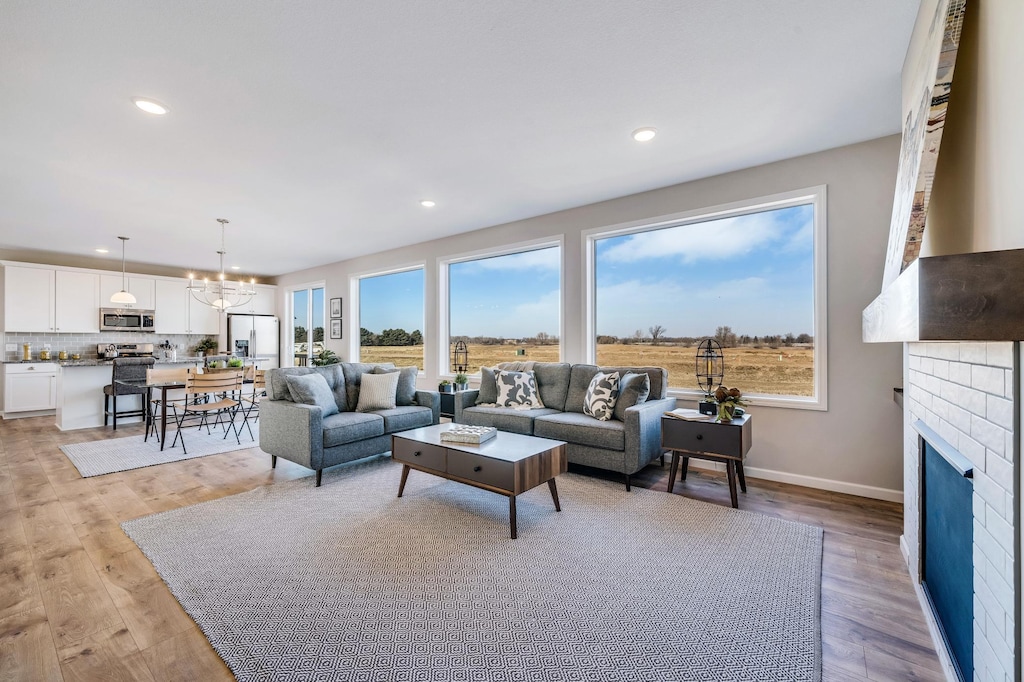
pixel 125 369
pixel 221 391
pixel 154 375
pixel 251 401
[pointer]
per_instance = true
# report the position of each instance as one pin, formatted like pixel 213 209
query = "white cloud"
pixel 540 259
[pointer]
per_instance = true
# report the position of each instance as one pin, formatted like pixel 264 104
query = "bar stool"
pixel 126 369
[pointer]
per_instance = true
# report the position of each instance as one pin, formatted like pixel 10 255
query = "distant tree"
pixel 725 336
pixel 638 336
pixel 416 338
pixel 318 334
pixel 300 334
pixel 395 337
pixel 542 338
pixel 367 338
pixel 789 340
pixel 805 338
pixel 605 339
pixel 657 331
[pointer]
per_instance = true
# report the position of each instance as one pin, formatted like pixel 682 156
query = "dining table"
pixel 150 386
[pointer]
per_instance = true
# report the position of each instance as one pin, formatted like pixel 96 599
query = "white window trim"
pixel 816 196
pixel 444 321
pixel 353 345
pixel 289 311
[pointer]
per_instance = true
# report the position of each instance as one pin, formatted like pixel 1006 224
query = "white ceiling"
pixel 316 127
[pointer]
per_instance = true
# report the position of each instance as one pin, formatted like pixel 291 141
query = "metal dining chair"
pixel 251 401
pixel 220 390
pixel 153 375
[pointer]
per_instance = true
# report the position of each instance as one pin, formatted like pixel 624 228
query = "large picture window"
pixel 507 307
pixel 391 318
pixel 751 277
pixel 307 327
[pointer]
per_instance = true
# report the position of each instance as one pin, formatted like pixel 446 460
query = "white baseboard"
pixel 905 550
pixel 945 660
pixel 857 489
pixel 25 415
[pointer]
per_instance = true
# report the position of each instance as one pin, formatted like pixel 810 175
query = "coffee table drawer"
pixel 492 472
pixel 420 454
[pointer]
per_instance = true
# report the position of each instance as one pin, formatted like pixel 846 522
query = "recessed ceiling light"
pixel 427 203
pixel 102 250
pixel 150 106
pixel 644 134
pixel 236 267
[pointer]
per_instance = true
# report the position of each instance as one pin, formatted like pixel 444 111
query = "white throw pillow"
pixel 601 394
pixel 377 391
pixel 517 390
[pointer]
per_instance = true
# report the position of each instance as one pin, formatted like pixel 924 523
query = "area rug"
pixel 349 582
pixel 99 457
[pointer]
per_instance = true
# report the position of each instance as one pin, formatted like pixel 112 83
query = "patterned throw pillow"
pixel 517 390
pixel 600 400
pixel 377 392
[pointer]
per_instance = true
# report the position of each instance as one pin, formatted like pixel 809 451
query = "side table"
pixel 726 442
pixel 448 404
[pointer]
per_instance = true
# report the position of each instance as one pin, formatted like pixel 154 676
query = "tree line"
pixel 724 335
pixel 390 337
pixel 300 334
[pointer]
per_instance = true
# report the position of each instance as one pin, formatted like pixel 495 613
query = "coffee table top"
pixel 510 447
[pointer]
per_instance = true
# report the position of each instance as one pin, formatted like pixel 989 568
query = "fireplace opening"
pixel 947 538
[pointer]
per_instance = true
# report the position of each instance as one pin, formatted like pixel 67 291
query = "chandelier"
pixel 220 293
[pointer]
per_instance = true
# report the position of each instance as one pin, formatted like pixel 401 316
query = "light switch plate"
pixel 12 348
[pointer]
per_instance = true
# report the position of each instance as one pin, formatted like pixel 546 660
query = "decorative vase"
pixel 725 411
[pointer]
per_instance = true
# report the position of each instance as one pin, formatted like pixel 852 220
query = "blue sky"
pixel 753 273
pixel 300 304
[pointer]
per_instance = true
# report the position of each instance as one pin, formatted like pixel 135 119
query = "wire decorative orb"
pixel 710 365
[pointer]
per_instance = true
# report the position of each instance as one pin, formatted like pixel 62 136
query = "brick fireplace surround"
pixel 968 392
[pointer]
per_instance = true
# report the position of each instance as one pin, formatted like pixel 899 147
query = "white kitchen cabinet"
pixel 143 288
pixel 203 319
pixel 76 302
pixel 30 387
pixel 29 299
pixel 263 303
pixel 41 299
pixel 178 313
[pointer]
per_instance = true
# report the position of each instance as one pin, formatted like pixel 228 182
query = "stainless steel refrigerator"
pixel 255 336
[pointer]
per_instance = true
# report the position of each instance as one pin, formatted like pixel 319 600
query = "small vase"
pixel 725 411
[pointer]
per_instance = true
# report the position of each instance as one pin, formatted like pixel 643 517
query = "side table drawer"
pixel 721 439
pixel 492 472
pixel 420 454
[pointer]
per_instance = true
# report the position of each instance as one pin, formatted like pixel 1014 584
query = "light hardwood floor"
pixel 79 601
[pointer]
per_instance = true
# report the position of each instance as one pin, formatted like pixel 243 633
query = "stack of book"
pixel 691 415
pixel 464 433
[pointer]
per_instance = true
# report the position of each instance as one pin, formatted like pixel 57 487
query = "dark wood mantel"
pixel 963 297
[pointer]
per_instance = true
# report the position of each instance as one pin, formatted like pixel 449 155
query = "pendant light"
pixel 123 297
pixel 222 294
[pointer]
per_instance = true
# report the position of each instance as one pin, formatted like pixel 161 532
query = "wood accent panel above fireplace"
pixel 963 297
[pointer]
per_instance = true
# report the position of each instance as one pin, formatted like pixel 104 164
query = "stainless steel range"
pixel 124 350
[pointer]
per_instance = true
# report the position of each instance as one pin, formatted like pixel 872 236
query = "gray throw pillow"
pixel 488 386
pixel 312 389
pixel 377 391
pixel 406 392
pixel 633 390
pixel 601 394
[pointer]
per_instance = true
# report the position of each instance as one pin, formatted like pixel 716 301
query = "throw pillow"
pixel 488 386
pixel 377 392
pixel 312 389
pixel 633 389
pixel 405 394
pixel 517 390
pixel 600 400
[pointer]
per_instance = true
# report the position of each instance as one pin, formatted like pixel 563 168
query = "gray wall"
pixel 856 445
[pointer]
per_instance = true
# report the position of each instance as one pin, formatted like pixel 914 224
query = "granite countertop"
pixel 94 362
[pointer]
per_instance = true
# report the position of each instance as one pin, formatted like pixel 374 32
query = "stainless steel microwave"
pixel 126 320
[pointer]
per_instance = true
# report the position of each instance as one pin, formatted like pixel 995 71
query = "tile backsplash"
pixel 85 344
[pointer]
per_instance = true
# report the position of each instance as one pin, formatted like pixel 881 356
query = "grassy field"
pixel 785 371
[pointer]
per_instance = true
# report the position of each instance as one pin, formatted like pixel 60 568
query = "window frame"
pixel 444 293
pixel 354 345
pixel 815 196
pixel 289 344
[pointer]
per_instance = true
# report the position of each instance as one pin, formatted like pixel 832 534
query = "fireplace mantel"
pixel 963 297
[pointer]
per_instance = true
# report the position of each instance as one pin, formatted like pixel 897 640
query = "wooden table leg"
pixel 743 479
pixel 686 468
pixel 512 514
pixel 163 418
pixel 673 467
pixel 405 475
pixel 554 494
pixel 730 469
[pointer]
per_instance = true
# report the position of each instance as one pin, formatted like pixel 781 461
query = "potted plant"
pixel 445 387
pixel 461 381
pixel 235 362
pixel 326 357
pixel 205 347
pixel 728 399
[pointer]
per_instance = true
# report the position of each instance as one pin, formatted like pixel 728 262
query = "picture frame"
pixel 335 310
pixel 336 328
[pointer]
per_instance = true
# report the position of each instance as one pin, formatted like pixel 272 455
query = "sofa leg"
pixel 627 483
pixel 319 474
pixel 273 461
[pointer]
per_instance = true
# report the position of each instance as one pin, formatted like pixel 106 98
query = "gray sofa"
pixel 301 434
pixel 625 446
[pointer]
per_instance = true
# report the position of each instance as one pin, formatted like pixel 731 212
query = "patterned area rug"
pixel 99 457
pixel 348 582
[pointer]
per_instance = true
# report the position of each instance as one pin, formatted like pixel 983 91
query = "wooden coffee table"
pixel 508 464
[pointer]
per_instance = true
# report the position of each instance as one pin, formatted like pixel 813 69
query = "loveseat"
pixel 626 443
pixel 300 432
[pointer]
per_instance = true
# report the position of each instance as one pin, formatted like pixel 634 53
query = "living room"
pixel 835 457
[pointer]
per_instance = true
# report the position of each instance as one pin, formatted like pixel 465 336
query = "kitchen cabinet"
pixel 30 387
pixel 177 312
pixel 143 288
pixel 41 299
pixel 263 303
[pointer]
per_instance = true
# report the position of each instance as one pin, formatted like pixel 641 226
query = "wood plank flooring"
pixel 79 601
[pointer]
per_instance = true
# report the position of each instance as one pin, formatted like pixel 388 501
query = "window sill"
pixel 784 402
